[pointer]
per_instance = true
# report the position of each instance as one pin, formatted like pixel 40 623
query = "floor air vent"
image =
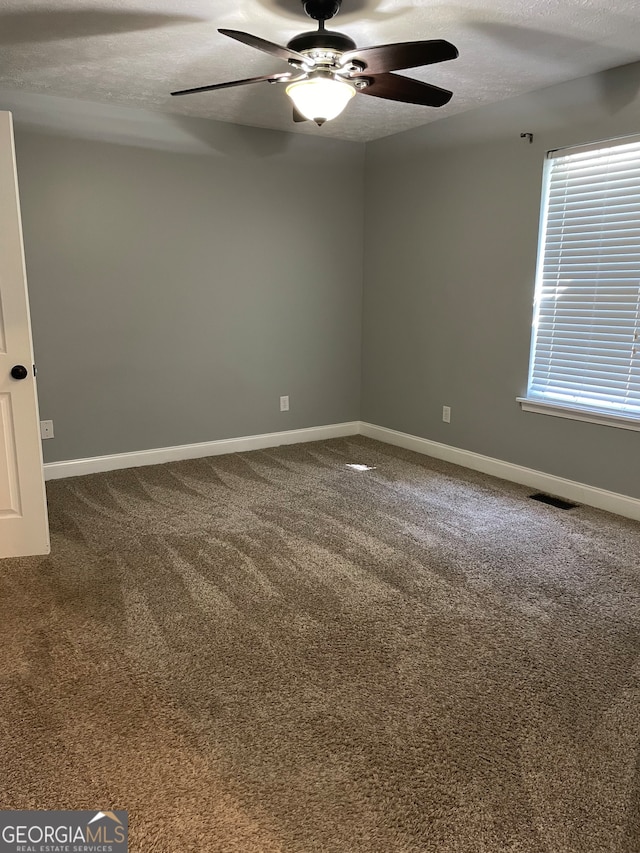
pixel 556 502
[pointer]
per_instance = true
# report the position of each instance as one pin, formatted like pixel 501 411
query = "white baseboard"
pixel 568 489
pixel 115 461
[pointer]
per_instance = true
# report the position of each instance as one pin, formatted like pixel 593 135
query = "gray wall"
pixel 451 238
pixel 183 274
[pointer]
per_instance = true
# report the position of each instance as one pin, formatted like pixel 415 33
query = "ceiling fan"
pixel 327 69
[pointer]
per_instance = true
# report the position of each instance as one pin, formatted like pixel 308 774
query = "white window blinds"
pixel 585 346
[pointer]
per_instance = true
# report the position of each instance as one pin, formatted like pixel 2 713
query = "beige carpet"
pixel 275 652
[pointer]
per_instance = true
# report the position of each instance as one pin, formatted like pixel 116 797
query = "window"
pixel 585 350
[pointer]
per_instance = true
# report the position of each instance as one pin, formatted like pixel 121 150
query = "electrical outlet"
pixel 46 429
pixel 284 403
pixel 446 414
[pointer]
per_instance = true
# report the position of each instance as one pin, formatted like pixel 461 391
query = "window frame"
pixel 538 404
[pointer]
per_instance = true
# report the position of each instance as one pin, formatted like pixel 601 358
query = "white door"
pixel 24 528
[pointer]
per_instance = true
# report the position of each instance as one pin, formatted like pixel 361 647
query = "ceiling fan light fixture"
pixel 320 99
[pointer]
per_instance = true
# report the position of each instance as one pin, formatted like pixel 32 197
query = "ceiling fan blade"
pixel 267 46
pixel 408 54
pixel 394 87
pixel 266 78
pixel 297 115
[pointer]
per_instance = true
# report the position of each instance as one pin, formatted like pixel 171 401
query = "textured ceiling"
pixel 134 52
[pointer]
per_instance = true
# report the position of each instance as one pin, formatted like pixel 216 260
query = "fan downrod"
pixel 321 10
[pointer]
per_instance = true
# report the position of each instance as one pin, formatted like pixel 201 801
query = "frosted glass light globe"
pixel 320 98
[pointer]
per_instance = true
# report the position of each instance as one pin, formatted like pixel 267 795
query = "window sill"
pixel 591 416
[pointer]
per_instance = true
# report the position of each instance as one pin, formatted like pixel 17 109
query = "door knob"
pixel 19 371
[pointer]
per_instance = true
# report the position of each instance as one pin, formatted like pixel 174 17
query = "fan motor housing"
pixel 323 39
pixel 321 10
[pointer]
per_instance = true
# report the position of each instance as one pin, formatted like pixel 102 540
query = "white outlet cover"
pixel 46 429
